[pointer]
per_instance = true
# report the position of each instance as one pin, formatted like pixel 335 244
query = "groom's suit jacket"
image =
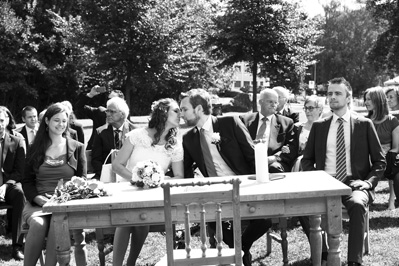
pixel 235 147
pixel 367 158
pixel 281 133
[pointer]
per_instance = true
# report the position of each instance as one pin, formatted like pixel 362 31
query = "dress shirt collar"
pixel 345 117
pixel 120 129
pixel 269 118
pixel 207 125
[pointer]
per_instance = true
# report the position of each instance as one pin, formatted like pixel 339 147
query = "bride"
pixel 158 142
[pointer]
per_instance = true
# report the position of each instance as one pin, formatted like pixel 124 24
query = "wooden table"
pixel 302 193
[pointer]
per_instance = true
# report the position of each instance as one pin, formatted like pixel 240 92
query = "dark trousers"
pixel 253 232
pixel 15 197
pixel 356 206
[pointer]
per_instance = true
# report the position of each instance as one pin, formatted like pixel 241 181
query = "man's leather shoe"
pixel 247 259
pixel 17 253
pixel 354 264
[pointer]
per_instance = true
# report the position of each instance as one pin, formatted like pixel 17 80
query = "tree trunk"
pixel 254 87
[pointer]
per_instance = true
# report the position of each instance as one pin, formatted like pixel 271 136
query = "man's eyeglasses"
pixel 309 108
pixel 109 111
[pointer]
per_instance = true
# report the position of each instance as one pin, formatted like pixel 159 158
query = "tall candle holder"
pixel 261 162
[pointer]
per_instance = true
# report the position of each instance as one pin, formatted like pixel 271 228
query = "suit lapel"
pixel 253 125
pixel 324 135
pixel 6 143
pixel 353 122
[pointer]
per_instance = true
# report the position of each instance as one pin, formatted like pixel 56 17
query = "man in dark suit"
pixel 276 129
pixel 283 107
pixel 219 146
pixel 347 147
pixel 12 161
pixel 97 114
pixel 28 131
pixel 111 135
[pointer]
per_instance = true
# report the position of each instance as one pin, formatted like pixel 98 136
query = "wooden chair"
pixel 192 207
pixel 282 239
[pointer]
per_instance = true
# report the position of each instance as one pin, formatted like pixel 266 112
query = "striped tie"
pixel 341 153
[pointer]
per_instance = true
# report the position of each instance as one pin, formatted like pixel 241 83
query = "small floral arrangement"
pixel 78 188
pixel 147 174
pixel 215 138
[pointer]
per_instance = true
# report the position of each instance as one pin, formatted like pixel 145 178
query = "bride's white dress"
pixel 144 150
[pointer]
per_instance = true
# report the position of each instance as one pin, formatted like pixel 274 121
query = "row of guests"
pixel 195 107
pixel 234 154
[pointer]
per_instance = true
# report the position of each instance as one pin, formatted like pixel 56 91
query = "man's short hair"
pixel 283 91
pixel 342 80
pixel 120 104
pixel 27 109
pixel 199 97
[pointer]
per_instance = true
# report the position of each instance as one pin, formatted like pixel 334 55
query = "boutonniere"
pixel 216 138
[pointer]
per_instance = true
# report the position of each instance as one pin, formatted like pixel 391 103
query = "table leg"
pixel 334 230
pixel 315 239
pixel 62 238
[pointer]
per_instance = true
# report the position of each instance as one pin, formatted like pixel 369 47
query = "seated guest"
pixel 392 94
pixel 111 135
pixel 313 108
pixel 387 127
pixel 275 129
pixel 52 157
pixel 283 106
pixel 28 131
pixel 158 141
pixel 73 124
pixel 12 166
pixel 346 146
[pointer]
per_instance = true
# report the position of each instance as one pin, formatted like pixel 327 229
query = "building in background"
pixel 242 78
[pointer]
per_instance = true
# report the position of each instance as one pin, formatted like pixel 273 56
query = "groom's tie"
pixel 210 167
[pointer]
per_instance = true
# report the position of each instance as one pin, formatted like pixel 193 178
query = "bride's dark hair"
pixel 158 118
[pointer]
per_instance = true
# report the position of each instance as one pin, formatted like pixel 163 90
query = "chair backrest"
pixel 202 205
pixel 88 159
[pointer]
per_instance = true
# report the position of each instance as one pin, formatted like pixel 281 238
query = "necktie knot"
pixel 117 139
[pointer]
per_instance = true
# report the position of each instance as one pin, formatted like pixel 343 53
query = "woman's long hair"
pixel 42 140
pixel 379 100
pixel 158 118
pixel 11 124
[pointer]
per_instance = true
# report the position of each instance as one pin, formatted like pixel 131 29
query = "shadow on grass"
pixel 383 222
pixel 379 207
pixel 5 252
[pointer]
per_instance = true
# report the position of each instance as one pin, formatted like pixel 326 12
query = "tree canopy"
pixel 270 34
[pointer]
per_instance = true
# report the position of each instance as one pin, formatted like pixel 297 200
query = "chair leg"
pixel 284 242
pixel 100 245
pixel 268 242
pixel 367 235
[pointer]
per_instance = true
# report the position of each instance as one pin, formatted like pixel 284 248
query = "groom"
pixel 219 146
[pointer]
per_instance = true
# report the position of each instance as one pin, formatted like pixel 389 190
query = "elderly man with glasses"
pixel 111 135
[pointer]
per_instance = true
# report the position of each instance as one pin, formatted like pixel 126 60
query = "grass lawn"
pixel 384 242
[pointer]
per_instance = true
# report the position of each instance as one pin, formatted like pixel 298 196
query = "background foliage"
pixel 53 50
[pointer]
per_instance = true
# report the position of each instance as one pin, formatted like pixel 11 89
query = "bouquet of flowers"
pixel 78 188
pixel 147 174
